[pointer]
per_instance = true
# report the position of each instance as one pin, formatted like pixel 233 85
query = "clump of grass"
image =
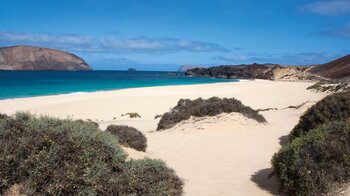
pixel 297 106
pixel 129 137
pixel 186 108
pixel 316 163
pixel 266 109
pixel 331 108
pixel 329 86
pixel 132 115
pixel 316 86
pixel 49 156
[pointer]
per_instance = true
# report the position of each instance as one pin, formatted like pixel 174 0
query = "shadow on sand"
pixel 266 182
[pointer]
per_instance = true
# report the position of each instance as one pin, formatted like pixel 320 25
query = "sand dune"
pixel 222 155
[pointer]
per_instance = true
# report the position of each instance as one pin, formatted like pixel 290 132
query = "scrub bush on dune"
pixel 129 136
pixel 316 163
pixel 186 108
pixel 331 108
pixel 164 180
pixel 49 156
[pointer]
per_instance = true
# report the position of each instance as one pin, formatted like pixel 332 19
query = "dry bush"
pixel 49 156
pixel 331 108
pixel 146 171
pixel 129 137
pixel 186 108
pixel 132 115
pixel 317 162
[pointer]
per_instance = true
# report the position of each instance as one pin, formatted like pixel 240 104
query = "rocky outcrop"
pixel 253 71
pixel 258 71
pixel 37 58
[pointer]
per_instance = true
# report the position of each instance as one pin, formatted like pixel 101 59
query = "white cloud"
pixel 233 58
pixel 328 7
pixel 58 40
pixel 109 44
pixel 306 58
pixel 341 32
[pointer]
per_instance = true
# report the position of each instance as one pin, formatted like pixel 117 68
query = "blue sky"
pixel 164 34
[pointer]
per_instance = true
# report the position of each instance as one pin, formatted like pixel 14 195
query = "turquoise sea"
pixel 15 84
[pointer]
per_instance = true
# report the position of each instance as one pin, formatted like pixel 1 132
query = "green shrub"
pixel 316 86
pixel 129 136
pixel 93 123
pixel 317 162
pixel 329 86
pixel 331 108
pixel 144 172
pixel 3 116
pixel 48 156
pixel 186 108
pixel 53 156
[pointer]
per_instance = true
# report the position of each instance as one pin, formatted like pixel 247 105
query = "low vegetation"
pixel 153 176
pixel 132 115
pixel 2 116
pixel 296 107
pixel 331 108
pixel 128 136
pixel 186 108
pixel 316 159
pixel 251 71
pixel 89 121
pixel 158 116
pixel 266 109
pixel 316 163
pixel 329 86
pixel 48 156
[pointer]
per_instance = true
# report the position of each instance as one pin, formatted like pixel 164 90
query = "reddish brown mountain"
pixel 36 58
pixel 337 69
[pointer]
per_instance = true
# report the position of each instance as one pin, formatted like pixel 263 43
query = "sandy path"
pixel 225 156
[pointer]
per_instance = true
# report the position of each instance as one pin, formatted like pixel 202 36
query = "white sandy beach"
pixel 223 155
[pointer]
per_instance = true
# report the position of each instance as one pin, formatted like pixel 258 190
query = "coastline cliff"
pixel 37 58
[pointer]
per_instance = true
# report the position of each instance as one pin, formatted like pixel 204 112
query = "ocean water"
pixel 15 84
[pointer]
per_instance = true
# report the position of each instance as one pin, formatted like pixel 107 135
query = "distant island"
pixel 131 70
pixel 38 58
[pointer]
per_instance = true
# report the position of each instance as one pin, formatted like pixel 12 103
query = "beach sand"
pixel 223 155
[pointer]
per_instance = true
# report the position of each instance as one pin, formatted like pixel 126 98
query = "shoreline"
pixel 111 90
pixel 114 90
